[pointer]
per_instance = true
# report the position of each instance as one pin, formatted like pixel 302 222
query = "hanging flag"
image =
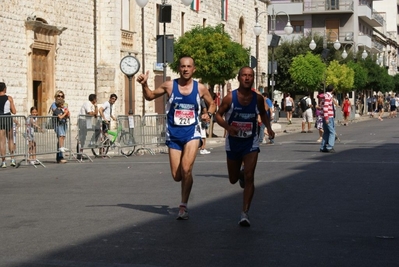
pixel 225 4
pixel 195 5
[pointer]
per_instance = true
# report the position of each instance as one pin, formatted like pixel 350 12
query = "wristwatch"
pixel 209 114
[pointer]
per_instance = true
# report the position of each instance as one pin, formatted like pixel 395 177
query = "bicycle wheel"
pixel 128 145
pixel 103 150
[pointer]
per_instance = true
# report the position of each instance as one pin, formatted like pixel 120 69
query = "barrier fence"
pixel 30 137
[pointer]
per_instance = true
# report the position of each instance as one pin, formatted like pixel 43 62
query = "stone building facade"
pixel 76 46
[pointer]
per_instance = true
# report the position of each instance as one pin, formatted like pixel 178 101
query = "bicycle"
pixel 126 144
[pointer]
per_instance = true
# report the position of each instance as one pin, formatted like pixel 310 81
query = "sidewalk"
pixel 281 127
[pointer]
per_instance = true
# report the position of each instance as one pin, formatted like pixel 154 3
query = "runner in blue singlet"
pixel 240 109
pixel 183 132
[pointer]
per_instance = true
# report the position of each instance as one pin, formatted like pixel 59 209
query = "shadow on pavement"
pixel 338 210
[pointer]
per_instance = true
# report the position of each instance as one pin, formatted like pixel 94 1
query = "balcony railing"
pixel 378 17
pixel 328 5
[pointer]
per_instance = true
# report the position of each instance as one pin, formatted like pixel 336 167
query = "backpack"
pixel 303 103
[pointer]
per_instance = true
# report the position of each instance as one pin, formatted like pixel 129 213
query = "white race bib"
pixel 245 128
pixel 183 117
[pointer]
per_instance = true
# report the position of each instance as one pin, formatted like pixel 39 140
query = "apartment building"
pixel 357 24
pixel 76 46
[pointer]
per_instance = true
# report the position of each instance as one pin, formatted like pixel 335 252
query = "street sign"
pixel 269 67
pixel 254 62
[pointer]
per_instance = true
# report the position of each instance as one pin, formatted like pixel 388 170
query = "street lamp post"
pixel 337 44
pixel 142 4
pixel 324 54
pixel 258 30
pixel 364 53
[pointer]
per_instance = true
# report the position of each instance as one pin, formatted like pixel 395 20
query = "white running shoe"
pixel 183 213
pixel 244 220
pixel 204 152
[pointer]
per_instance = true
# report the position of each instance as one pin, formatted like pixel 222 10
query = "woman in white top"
pixel 288 107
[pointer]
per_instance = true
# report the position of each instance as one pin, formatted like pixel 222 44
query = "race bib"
pixel 184 117
pixel 244 128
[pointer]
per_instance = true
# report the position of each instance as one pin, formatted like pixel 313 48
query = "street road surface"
pixel 309 209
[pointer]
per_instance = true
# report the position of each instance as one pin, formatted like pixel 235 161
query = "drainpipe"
pixel 95 45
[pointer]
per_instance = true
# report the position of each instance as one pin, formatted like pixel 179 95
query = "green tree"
pixel 217 57
pixel 360 78
pixel 284 55
pixel 396 83
pixel 307 71
pixel 341 76
pixel 378 77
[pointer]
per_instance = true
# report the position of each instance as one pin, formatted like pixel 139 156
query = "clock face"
pixel 130 65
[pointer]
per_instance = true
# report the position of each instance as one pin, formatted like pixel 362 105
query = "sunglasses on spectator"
pixel 60 96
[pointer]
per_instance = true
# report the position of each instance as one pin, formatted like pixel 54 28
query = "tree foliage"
pixel 217 57
pixel 360 77
pixel 341 76
pixel 378 77
pixel 396 83
pixel 284 55
pixel 307 71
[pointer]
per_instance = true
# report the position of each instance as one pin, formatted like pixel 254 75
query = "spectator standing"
pixel 289 106
pixel 61 126
pixel 375 103
pixel 182 125
pixel 240 110
pixel 346 109
pixel 58 95
pixel 276 111
pixel 392 104
pixel 327 111
pixel 31 127
pixel 204 126
pixel 7 108
pixel 319 118
pixel 307 112
pixel 370 110
pixel 360 105
pixel 106 113
pixel 269 111
pixel 380 107
pixel 88 110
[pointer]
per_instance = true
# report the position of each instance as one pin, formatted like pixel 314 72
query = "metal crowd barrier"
pixel 154 127
pixel 89 130
pixel 132 133
pixel 11 141
pixel 31 137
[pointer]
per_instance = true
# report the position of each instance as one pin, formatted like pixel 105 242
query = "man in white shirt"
pixel 88 110
pixel 106 112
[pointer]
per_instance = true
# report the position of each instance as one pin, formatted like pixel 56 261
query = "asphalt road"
pixel 309 209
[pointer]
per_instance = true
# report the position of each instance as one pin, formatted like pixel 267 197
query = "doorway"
pixel 40 92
